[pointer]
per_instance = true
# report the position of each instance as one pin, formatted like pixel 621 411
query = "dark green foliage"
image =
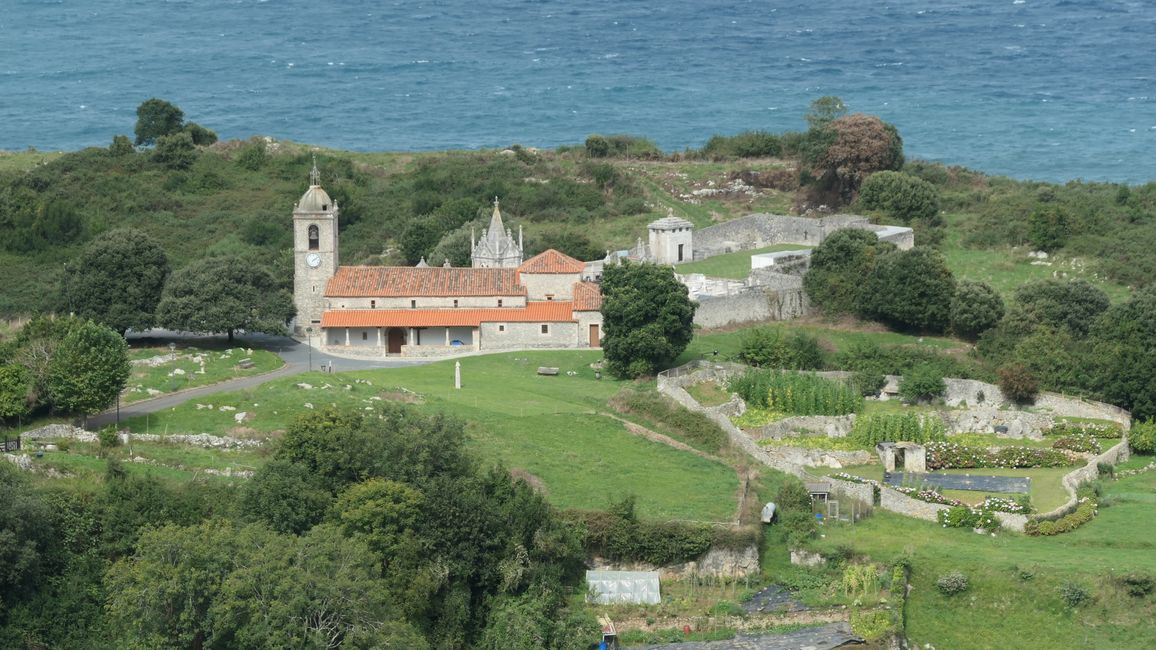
pixel 911 290
pixel 793 497
pixel 571 242
pixel 835 282
pixel 921 384
pixel 156 118
pixel 671 418
pixel 796 393
pixel 621 146
pixel 769 347
pixel 121 146
pixel 225 294
pixel 868 382
pixel 620 536
pixel 253 156
pixel 801 527
pixel 900 197
pixel 285 496
pixel 1123 343
pixel 870 430
pixel 16 396
pixel 1075 594
pixel 1074 304
pixel 176 151
pixel 417 241
pixel 1142 437
pixel 1049 227
pixel 1018 384
pixel 454 247
pixel 976 307
pixel 88 370
pixel 201 136
pixel 867 356
pixel 748 144
pixel 647 316
pixel 27 538
pixel 1137 584
pixel 117 280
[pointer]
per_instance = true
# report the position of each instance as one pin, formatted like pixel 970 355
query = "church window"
pixel 545 328
pixel 499 302
pixel 549 296
pixel 501 327
pixel 373 304
pixel 314 237
pixel 365 336
pixel 455 304
pixel 413 304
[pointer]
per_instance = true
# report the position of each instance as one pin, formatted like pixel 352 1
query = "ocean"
pixel 1042 89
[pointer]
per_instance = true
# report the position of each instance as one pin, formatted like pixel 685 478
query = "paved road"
pixel 298 359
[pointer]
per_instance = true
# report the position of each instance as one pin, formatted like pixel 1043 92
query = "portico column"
pixel 379 337
pixel 447 337
pixel 346 337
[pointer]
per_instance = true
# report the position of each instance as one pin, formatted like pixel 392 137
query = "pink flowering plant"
pixel 1080 442
pixel 950 455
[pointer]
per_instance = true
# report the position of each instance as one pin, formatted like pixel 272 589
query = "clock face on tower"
pixel 313 260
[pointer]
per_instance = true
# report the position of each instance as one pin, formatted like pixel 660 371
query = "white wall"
pixel 528 335
pixel 561 285
pixel 432 302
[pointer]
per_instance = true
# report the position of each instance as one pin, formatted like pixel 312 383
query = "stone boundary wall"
pixel 830 426
pixel 56 432
pixel 59 431
pixel 969 391
pixel 896 501
pixel 716 563
pixel 761 229
pixel 1089 472
pixel 753 305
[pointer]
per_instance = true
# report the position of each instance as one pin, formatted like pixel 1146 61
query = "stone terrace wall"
pixel 1089 472
pixel 898 502
pixel 971 392
pixel 754 305
pixel 759 230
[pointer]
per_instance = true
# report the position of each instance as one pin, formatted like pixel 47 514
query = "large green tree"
pixel 117 280
pixel 15 391
pixel 1124 345
pixel 900 197
pixel 225 294
pixel 1074 304
pixel 156 118
pixel 976 307
pixel 648 318
pixel 859 145
pixel 88 370
pixel 912 290
pixel 839 266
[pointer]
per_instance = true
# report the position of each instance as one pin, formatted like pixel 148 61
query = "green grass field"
pixel 554 428
pixel 221 363
pixel 835 337
pixel 1014 599
pixel 735 265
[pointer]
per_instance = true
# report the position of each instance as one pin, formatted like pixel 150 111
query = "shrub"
pixel 922 384
pixel 900 196
pixel 1142 437
pixel 748 144
pixel 869 383
pixel 1078 443
pixel 976 307
pixel 950 455
pixel 965 517
pixel 793 497
pixel 768 347
pixel 1137 584
pixel 1092 429
pixel 1018 384
pixel 108 438
pixel 1074 593
pixel 801 527
pixel 951 583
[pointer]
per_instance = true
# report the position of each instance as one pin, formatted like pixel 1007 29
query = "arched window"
pixel 314 236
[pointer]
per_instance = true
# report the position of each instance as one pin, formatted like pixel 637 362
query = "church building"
pixel 499 303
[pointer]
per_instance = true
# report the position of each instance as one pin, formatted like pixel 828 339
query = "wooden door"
pixel 595 341
pixel 396 340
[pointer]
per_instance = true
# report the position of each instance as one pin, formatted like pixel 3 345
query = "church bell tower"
pixel 314 253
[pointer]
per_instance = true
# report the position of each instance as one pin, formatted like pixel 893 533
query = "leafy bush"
pixel 860 580
pixel 950 584
pixel 796 393
pixel 870 430
pixel 1138 584
pixel 1142 437
pixel 1084 513
pixel 974 308
pixel 1074 593
pixel 910 289
pixel 965 517
pixel 629 146
pixel 794 497
pixel 900 196
pixel 922 384
pixel 619 535
pixel 748 144
pixel 801 527
pixel 869 383
pixel 1018 384
pixel 1103 430
pixel 108 438
pixel 1078 443
pixel 769 347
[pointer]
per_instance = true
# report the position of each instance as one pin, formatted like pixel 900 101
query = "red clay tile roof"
pixel 551 261
pixel 541 312
pixel 403 281
pixel 587 296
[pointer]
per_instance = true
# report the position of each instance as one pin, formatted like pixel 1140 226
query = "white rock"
pixel 178 371
pixel 153 391
pixel 308 405
pixel 305 386
pixel 240 417
pixel 227 408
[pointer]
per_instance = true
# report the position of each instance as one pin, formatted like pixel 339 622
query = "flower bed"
pixel 1091 429
pixel 966 517
pixel 950 455
pixel 930 496
pixel 1081 442
pixel 1000 504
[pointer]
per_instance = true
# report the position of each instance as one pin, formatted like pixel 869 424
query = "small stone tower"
pixel 314 252
pixel 497 248
pixel 671 240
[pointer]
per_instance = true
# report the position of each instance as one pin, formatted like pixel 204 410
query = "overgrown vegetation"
pixel 794 393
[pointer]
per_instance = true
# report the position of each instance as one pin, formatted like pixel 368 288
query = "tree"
pixel 156 118
pixel 825 110
pixel 1018 384
pixel 117 280
pixel 1075 304
pixel 15 391
pixel 418 240
pixel 454 246
pixel 175 151
pixel 921 384
pixel 286 497
pixel 121 146
pixel 648 318
pixel 861 145
pixel 1049 227
pixel 911 289
pixel 225 294
pixel 200 135
pixel 572 243
pixel 381 513
pixel 88 370
pixel 839 265
pixel 900 197
pixel 28 539
pixel 769 347
pixel 976 307
pixel 1123 344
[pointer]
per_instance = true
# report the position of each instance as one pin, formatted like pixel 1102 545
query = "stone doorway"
pixel 595 339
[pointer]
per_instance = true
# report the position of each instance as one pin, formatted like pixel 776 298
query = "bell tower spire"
pixel 314 174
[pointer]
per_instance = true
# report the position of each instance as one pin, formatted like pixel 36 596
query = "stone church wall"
pixel 520 336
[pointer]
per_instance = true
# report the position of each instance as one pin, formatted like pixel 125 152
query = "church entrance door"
pixel 595 341
pixel 396 340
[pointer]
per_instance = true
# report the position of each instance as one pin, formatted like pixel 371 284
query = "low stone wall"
pixel 974 393
pixel 1089 472
pixel 753 305
pixel 715 563
pixel 57 431
pixel 831 426
pixel 1011 521
pixel 901 503
pixel 821 457
pixel 193 440
pixel 984 419
pixel 859 491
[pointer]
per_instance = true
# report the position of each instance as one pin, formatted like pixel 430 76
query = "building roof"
pixel 551 261
pixel 403 281
pixel 669 223
pixel 539 312
pixel 587 296
pixel 314 199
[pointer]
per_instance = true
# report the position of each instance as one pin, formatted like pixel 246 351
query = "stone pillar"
pixel 447 337
pixel 346 337
pixel 458 375
pixel 379 337
pixel 915 459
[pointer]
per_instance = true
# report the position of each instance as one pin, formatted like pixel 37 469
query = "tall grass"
pixel 795 393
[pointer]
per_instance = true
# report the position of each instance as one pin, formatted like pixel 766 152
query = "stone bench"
pixel 550 372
